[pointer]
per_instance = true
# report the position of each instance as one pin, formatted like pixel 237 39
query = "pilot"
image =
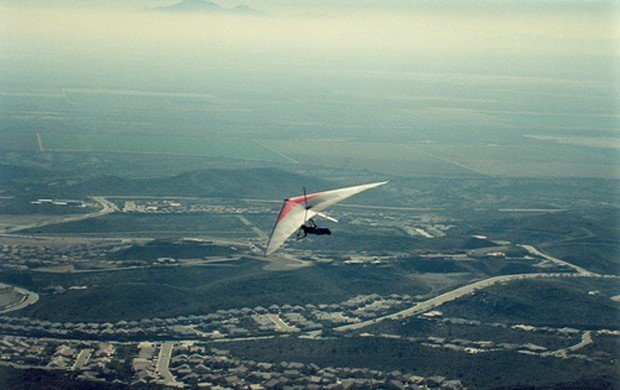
pixel 311 228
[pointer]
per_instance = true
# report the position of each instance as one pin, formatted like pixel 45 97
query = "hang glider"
pixel 301 209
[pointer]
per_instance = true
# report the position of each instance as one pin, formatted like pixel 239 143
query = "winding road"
pixel 29 298
pixel 419 308
pixel 560 262
pixel 107 207
pixel 449 296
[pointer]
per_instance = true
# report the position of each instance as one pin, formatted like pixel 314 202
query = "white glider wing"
pixel 296 211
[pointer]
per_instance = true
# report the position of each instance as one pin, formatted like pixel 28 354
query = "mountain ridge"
pixel 205 7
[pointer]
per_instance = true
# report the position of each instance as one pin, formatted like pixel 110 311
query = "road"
pixel 29 298
pixel 531 210
pixel 577 268
pixel 261 234
pixel 163 362
pixel 280 325
pixel 282 261
pixel 277 152
pixel 458 164
pixel 586 339
pixel 107 207
pixel 82 359
pixel 439 300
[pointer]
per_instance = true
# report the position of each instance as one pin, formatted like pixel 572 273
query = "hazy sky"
pixel 536 71
pixel 512 28
pixel 552 5
pixel 69 43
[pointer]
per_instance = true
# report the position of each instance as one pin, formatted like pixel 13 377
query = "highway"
pixel 32 297
pixel 107 207
pixel 439 300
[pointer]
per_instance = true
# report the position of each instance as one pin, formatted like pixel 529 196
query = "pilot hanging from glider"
pixel 309 227
pixel 297 214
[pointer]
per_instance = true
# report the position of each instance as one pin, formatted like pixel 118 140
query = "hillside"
pixel 235 183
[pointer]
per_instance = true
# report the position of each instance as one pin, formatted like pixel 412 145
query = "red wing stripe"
pixel 290 203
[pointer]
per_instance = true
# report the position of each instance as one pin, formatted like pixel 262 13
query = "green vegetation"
pixel 503 124
pixel 504 159
pixel 225 183
pixel 432 265
pixel 174 291
pixel 177 250
pixel 486 370
pixel 586 237
pixel 605 347
pixel 543 302
pixel 23 140
pixel 560 227
pixel 388 158
pixel 422 328
pixel 225 147
pixel 600 257
pixel 345 241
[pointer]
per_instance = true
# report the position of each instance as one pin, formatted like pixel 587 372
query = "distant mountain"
pixel 244 9
pixel 208 7
pixel 191 6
